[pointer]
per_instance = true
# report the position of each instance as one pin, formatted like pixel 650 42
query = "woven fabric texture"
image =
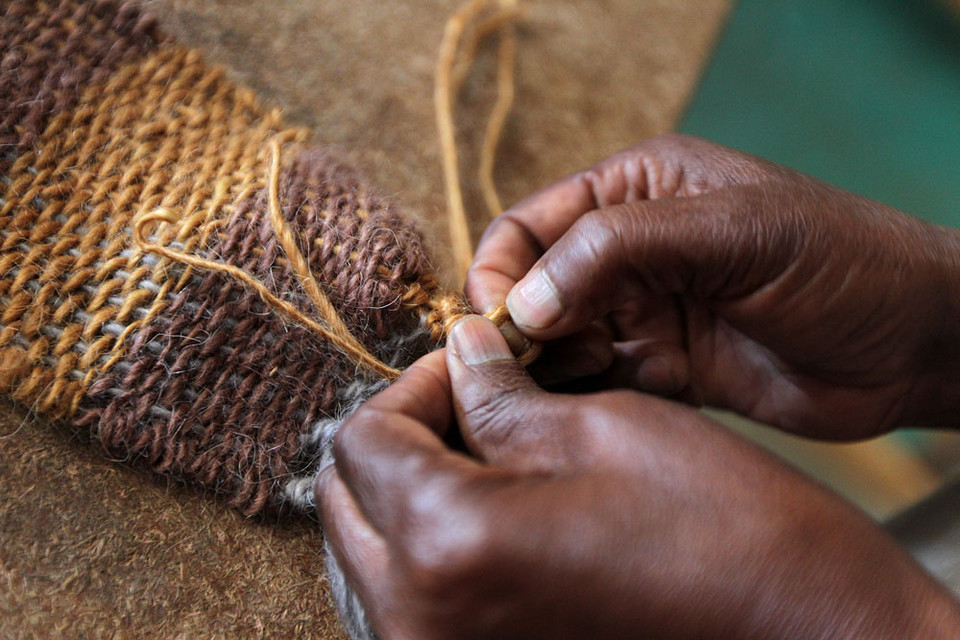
pixel 103 119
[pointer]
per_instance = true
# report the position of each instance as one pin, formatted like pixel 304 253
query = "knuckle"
pixel 694 165
pixel 599 234
pixel 348 439
pixel 606 406
pixel 447 546
pixel 593 180
pixel 611 419
pixel 497 227
pixel 491 415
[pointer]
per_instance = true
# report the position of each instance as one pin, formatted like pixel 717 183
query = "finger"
pixel 586 353
pixel 518 237
pixel 652 366
pixel 505 418
pixel 422 393
pixel 709 247
pixel 651 346
pixel 358 549
pixel 662 167
pixel 390 455
pixel 505 253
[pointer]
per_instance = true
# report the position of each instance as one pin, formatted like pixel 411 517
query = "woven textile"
pixel 104 120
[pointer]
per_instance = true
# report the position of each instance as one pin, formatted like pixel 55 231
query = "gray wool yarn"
pixel 352 614
pixel 317 445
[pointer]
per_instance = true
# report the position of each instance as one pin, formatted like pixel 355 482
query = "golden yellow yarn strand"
pixel 498 118
pixel 334 328
pixel 503 17
pixel 449 77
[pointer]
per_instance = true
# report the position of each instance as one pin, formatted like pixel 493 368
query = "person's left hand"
pixel 611 515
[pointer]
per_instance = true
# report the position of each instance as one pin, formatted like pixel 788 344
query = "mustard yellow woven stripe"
pixel 164 131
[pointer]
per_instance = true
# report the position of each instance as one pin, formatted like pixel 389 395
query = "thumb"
pixel 504 417
pixel 709 247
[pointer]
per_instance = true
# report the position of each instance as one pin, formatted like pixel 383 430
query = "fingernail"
pixel 476 340
pixel 533 302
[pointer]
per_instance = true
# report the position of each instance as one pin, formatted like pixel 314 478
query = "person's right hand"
pixel 688 269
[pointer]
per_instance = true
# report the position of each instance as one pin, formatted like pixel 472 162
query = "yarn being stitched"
pixel 334 329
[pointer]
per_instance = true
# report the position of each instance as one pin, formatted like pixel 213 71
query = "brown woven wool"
pixel 103 121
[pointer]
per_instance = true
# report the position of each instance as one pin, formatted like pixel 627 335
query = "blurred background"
pixel 864 94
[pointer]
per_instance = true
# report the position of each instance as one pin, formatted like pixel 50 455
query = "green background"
pixel 864 94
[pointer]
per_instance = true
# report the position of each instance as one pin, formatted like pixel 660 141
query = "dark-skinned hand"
pixel 690 270
pixel 612 515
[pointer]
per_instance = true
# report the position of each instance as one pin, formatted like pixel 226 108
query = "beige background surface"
pixel 593 77
pixel 92 548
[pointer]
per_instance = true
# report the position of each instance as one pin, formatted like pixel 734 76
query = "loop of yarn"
pixel 441 311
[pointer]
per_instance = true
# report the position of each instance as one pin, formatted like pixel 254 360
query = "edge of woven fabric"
pixel 103 118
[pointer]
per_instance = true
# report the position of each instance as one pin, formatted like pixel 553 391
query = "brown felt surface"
pixel 93 549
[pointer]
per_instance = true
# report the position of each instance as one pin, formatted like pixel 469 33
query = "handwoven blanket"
pixel 104 120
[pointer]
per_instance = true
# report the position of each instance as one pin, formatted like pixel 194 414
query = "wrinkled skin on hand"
pixel 612 515
pixel 690 270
